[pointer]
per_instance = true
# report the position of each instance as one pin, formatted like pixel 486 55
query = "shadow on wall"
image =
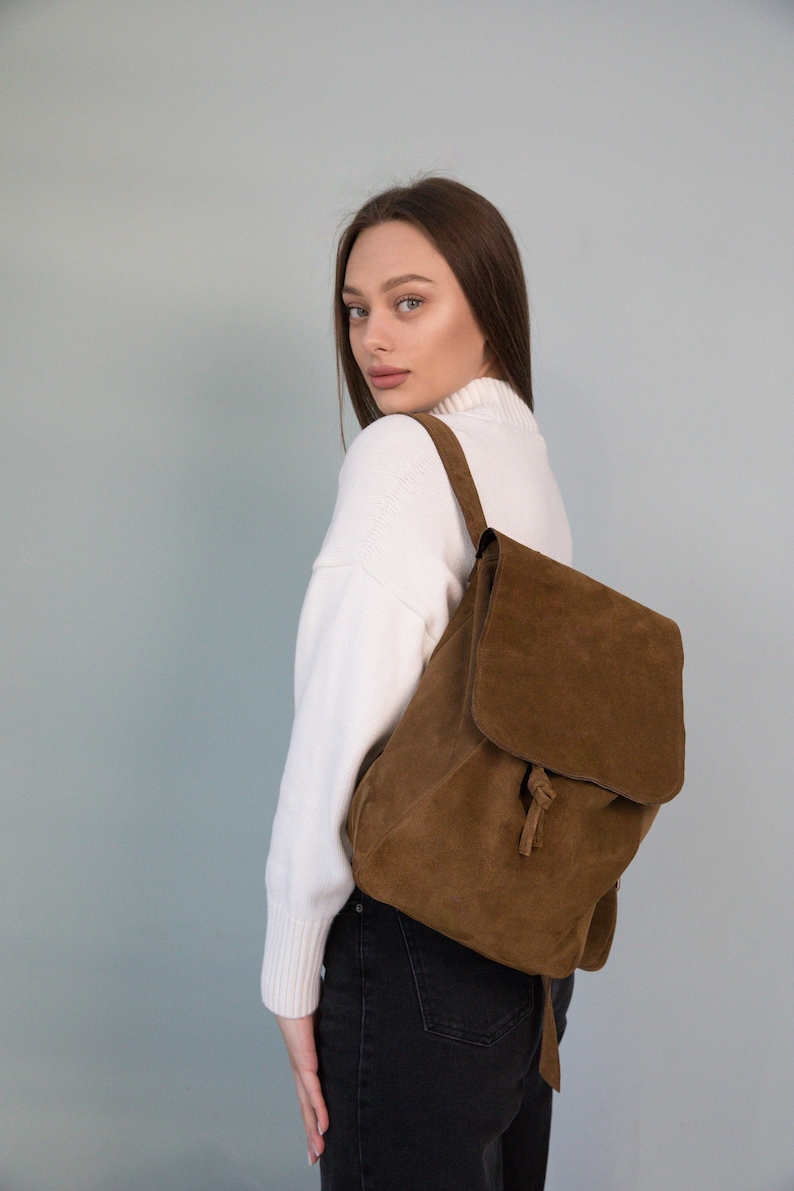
pixel 9 1182
pixel 165 639
pixel 577 442
pixel 203 1170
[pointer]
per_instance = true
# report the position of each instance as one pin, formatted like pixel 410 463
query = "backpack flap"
pixel 578 678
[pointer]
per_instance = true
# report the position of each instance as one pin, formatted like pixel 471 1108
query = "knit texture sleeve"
pixel 390 572
pixel 360 653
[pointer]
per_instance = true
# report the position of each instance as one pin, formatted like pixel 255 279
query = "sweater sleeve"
pixel 360 653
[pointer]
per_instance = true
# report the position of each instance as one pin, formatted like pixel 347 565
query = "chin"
pixel 391 401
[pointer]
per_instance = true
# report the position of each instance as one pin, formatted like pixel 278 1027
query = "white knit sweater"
pixel 389 575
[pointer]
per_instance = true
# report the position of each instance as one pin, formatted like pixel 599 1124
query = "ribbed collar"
pixel 486 397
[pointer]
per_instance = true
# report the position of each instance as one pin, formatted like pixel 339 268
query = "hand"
pixel 298 1035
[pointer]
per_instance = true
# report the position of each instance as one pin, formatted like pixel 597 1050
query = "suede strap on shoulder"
pixel 460 477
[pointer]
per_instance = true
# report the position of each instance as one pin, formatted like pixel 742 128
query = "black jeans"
pixel 428 1060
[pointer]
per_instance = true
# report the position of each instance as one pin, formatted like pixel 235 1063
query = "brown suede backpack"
pixel 544 734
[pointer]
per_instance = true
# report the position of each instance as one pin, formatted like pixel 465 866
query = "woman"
pixel 415 1058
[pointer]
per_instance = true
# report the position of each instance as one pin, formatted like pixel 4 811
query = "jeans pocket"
pixel 462 994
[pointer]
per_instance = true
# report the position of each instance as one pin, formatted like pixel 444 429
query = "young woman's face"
pixel 412 331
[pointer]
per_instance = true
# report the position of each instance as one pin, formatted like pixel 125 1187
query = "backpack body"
pixel 544 734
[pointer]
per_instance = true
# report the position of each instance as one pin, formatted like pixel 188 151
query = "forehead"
pixel 390 249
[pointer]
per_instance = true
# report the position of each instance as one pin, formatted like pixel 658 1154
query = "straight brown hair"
pixel 479 247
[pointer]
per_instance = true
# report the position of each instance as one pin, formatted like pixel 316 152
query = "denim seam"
pixel 409 953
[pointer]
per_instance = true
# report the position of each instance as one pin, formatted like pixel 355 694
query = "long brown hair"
pixel 480 249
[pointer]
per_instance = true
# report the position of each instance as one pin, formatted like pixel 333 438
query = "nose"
pixel 377 335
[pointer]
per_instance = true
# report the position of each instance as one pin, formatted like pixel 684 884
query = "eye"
pixel 356 312
pixel 413 304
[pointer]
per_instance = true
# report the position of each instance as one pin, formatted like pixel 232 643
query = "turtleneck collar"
pixel 486 397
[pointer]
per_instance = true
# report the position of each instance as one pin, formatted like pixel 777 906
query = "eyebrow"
pixel 390 284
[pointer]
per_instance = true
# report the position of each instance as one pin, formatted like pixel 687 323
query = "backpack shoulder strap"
pixel 460 476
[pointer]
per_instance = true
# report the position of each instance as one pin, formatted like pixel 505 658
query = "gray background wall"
pixel 171 177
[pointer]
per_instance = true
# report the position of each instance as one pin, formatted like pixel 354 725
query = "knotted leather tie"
pixel 542 798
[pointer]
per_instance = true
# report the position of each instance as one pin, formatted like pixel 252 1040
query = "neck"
pixel 488 397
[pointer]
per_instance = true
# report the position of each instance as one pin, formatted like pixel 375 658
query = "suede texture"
pixel 543 736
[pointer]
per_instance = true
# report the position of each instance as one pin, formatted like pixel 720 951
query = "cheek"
pixel 456 331
pixel 354 336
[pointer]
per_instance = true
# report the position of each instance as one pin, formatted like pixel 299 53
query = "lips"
pixel 386 378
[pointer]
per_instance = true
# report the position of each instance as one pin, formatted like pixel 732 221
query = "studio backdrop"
pixel 172 175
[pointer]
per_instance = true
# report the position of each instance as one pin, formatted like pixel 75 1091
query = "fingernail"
pixel 316 1153
pixel 309 1156
pixel 320 1130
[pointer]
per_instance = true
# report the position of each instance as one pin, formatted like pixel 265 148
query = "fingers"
pixel 300 1041
pixel 317 1101
pixel 313 1111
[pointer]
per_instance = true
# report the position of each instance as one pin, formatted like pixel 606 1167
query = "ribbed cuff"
pixel 293 958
